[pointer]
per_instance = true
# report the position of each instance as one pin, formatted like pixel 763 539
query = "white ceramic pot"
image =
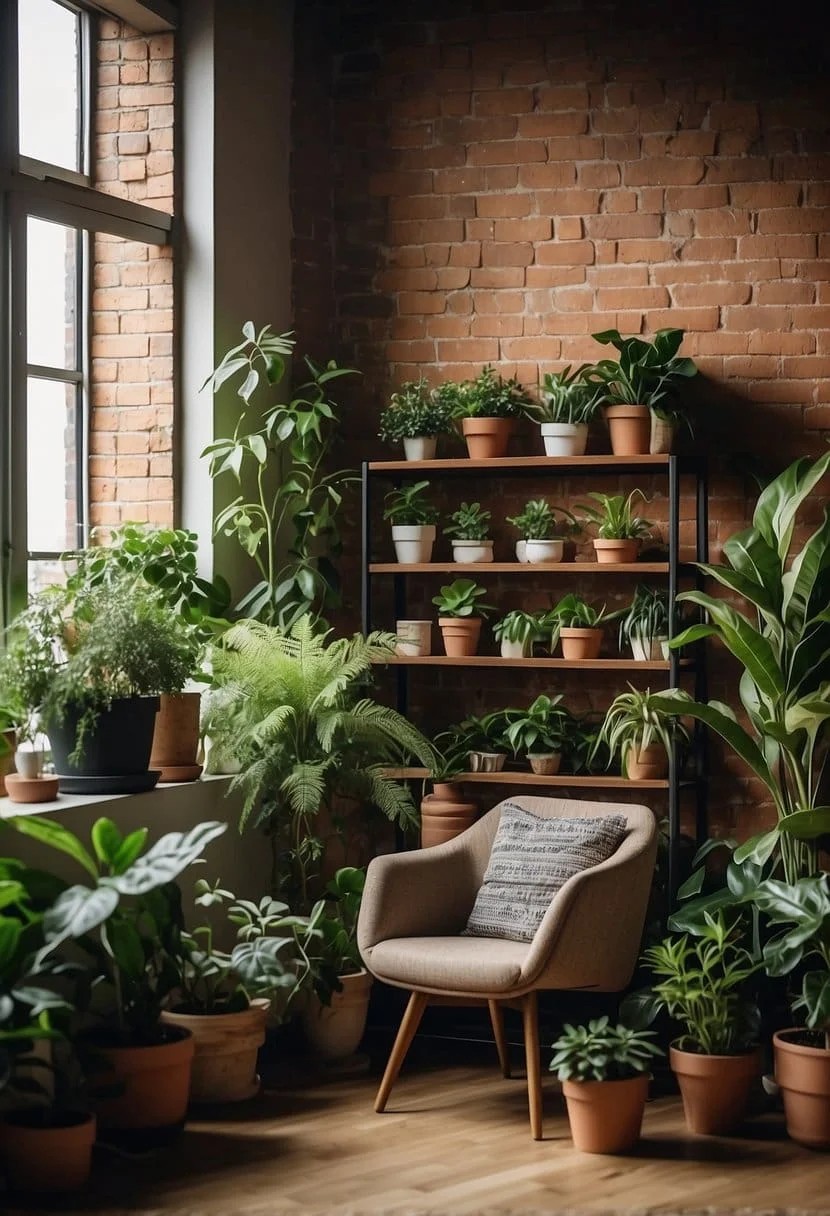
pixel 29 762
pixel 565 438
pixel 487 762
pixel 647 650
pixel 515 650
pixel 521 551
pixel 414 638
pixel 334 1031
pixel 413 543
pixel 544 551
pixel 421 448
pixel 473 551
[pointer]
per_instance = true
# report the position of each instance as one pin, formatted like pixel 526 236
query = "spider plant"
pixel 646 619
pixel 517 626
pixel 635 720
pixel 572 612
pixel 567 397
pixel 614 518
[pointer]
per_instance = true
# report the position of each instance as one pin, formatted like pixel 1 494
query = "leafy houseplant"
pixel 485 740
pixel 416 417
pixel 487 407
pixel 284 453
pixel 540 732
pixel 445 813
pixel 335 1018
pixel 604 1070
pixel 642 733
pixel 460 616
pixel 538 526
pixel 645 626
pixel 567 403
pixel 469 527
pixel 619 530
pixel 413 519
pixel 578 625
pixel 516 632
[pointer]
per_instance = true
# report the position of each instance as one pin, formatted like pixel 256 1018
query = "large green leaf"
pixel 758 849
pixel 807 824
pixel 732 732
pixel 77 911
pixel 749 554
pixel 47 831
pixel 748 644
pixel 815 998
pixel 166 859
pixel 807 572
pixel 10 931
pixel 122 940
pixel 779 502
pixel 106 840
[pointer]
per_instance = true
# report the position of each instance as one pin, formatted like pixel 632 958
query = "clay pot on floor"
pixel 225 1051
pixel 648 764
pixel 630 429
pixel 615 552
pixel 544 764
pixel 7 759
pixel 39 1159
pixel 565 438
pixel 176 737
pixel 715 1089
pixel 422 447
pixel 606 1116
pixel 579 644
pixel 445 814
pixel 803 1076
pixel 334 1031
pixel 487 438
pixel 460 634
pixel 153 1082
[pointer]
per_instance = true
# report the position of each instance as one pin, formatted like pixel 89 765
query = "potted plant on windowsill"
pixel 645 626
pixel 642 733
pixel 334 1019
pixel 461 613
pixel 619 531
pixel 487 407
pixel 416 417
pixel 22 750
pixel 567 404
pixel 468 528
pixel 539 528
pixel 446 813
pixel 539 732
pixel 604 1071
pixel 578 626
pixel 516 633
pixel 413 519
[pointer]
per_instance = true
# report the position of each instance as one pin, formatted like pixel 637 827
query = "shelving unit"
pixel 681 477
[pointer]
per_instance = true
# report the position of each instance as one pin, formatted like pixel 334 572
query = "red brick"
pixel 569 228
pixel 794 219
pixel 696 197
pixel 695 295
pixel 507 254
pixel 504 101
pixel 616 227
pixel 497 206
pixel 497 276
pixel 507 152
pixel 632 297
pixel 664 171
pixel 421 302
pixel 523 230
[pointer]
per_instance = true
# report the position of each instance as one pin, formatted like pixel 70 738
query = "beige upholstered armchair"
pixel 416 904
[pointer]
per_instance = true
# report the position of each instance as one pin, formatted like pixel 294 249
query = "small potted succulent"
pixel 539 732
pixel 416 417
pixel 446 813
pixel 485 741
pixel 468 529
pixel 604 1070
pixel 641 732
pixel 487 407
pixel 567 403
pixel 460 615
pixel 619 531
pixel 413 519
pixel 645 626
pixel 516 633
pixel 539 528
pixel 414 639
pixel 578 626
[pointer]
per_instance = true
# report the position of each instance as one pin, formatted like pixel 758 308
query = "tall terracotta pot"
pixel 335 1030
pixel 153 1083
pixel 606 1116
pixel 714 1089
pixel 445 814
pixel 460 634
pixel 648 764
pixel 47 1160
pixel 176 737
pixel 630 429
pixel 225 1051
pixel 579 644
pixel 487 438
pixel 803 1075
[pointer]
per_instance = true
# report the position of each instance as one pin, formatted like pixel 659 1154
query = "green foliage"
pixel 636 719
pixel 517 626
pixel 409 506
pixel 284 451
pixel 647 617
pixel 451 755
pixel 614 518
pixel 572 612
pixel 487 733
pixel 803 908
pixel 469 522
pixel 337 914
pixel 461 598
pixel 414 411
pixel 602 1052
pixel 489 395
pixel 645 373
pixel 542 727
pixel 566 397
pixel 538 520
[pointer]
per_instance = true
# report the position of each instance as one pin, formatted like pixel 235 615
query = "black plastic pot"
pixel 116 753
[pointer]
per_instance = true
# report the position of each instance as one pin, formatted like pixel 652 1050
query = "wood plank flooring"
pixel 453 1140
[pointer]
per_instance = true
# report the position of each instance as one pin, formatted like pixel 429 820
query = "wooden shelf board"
pixel 524 568
pixel 524 778
pixel 495 660
pixel 521 463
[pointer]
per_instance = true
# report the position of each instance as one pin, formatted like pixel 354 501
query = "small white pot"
pixel 421 448
pixel 29 763
pixel 544 551
pixel 647 650
pixel 414 638
pixel 565 438
pixel 515 650
pixel 413 543
pixel 521 551
pixel 487 762
pixel 473 551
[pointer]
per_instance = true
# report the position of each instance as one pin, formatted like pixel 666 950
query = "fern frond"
pixel 304 788
pixel 391 798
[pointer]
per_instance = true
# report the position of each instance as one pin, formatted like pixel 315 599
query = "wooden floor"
pixel 454 1139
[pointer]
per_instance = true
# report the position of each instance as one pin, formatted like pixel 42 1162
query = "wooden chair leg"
pixel 530 1022
pixel 406 1033
pixel 497 1022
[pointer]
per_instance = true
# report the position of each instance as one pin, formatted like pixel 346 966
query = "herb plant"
pixel 414 411
pixel 469 522
pixel 489 395
pixel 409 506
pixel 614 518
pixel 538 519
pixel 566 397
pixel 461 598
pixel 602 1052
pixel 646 371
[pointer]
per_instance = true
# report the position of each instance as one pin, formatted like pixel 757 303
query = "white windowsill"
pixel 68 802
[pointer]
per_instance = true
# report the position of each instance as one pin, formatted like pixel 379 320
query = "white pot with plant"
pixel 538 525
pixel 620 532
pixel 640 730
pixel 485 741
pixel 413 519
pixel 414 639
pixel 516 633
pixel 416 416
pixel 578 625
pixel 468 529
pixel 539 732
pixel 645 626
pixel 334 1019
pixel 487 408
pixel 567 403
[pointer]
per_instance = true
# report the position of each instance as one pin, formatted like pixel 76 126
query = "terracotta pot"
pixel 477 552
pixel 154 1082
pixel 422 447
pixel 630 428
pixel 803 1075
pixel 648 764
pixel 606 1116
pixel 579 644
pixel 460 634
pixel 413 543
pixel 334 1031
pixel 544 551
pixel 545 764
pixel 487 438
pixel 445 814
pixel 7 759
pixel 29 790
pixel 47 1159
pixel 662 436
pixel 414 638
pixel 515 650
pixel 648 650
pixel 176 736
pixel 225 1051
pixel 615 552
pixel 565 438
pixel 715 1089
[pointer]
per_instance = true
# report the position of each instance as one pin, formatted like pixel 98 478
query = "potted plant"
pixel 416 417
pixel 645 626
pixel 413 520
pixel 538 526
pixel 637 385
pixel 578 625
pixel 488 407
pixel 619 531
pixel 334 1019
pixel 468 528
pixel 702 984
pixel 414 638
pixel 8 739
pixel 639 729
pixel 460 616
pixel 516 633
pixel 539 732
pixel 604 1071
pixel 446 813
pixel 567 403
pixel 22 754
pixel 485 741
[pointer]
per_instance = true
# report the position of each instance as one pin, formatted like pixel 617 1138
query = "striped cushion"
pixel 532 858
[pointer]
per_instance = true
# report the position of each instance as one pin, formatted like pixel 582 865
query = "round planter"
pixel 544 764
pixel 648 764
pixel 615 552
pixel 630 428
pixel 580 644
pixel 225 1051
pixel 460 634
pixel 544 551
pixel 445 814
pixel 414 638
pixel 565 438
pixel 521 551
pixel 662 436
pixel 487 762
pixel 803 1076
pixel 422 447
pixel 487 438
pixel 648 650
pixel 176 737
pixel 7 759
pixel 119 746
pixel 334 1031
pixel 606 1116
pixel 47 1160
pixel 413 543
pixel 29 790
pixel 153 1082
pixel 715 1089
pixel 515 650
pixel 477 552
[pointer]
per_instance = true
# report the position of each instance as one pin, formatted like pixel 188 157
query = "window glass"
pixel 49 46
pixel 51 478
pixel 51 294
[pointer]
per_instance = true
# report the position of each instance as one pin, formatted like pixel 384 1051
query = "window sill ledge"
pixel 68 802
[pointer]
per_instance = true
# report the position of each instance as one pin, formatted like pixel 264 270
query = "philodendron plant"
pixel 800 914
pixel 645 372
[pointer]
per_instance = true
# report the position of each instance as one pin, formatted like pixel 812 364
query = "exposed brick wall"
pixel 494 182
pixel 131 474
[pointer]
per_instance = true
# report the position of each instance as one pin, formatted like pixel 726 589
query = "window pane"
pixel 48 36
pixel 48 572
pixel 50 445
pixel 51 276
